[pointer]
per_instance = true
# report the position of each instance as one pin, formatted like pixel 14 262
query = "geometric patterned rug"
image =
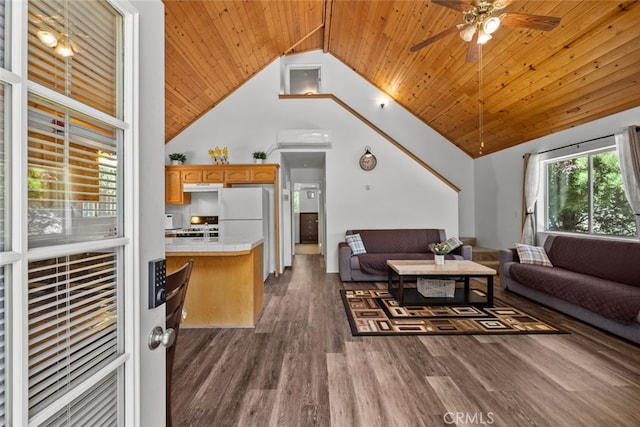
pixel 376 312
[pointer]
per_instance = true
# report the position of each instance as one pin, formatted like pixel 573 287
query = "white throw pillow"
pixel 356 244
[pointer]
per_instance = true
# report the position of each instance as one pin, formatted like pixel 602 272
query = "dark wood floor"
pixel 302 367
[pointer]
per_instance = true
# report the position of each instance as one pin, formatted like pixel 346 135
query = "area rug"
pixel 376 312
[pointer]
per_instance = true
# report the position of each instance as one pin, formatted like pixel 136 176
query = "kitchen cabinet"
pixel 237 174
pixel 225 289
pixel 173 194
pixel 213 174
pixel 176 176
pixel 199 174
pixel 308 227
pixel 191 175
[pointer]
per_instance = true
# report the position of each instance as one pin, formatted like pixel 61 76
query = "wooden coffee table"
pixel 451 269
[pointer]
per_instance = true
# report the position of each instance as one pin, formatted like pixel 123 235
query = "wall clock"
pixel 368 161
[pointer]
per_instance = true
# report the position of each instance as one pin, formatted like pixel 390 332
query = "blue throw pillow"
pixel 356 244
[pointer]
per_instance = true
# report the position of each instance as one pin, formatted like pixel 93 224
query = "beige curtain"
pixel 628 147
pixel 529 197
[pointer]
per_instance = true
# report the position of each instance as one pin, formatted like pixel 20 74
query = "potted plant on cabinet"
pixel 177 158
pixel 259 156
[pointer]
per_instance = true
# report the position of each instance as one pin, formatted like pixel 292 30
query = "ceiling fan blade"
pixel 535 22
pixel 473 50
pixel 433 39
pixel 459 5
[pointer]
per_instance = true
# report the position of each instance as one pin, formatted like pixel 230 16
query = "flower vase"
pixel 259 161
pixel 176 162
pixel 439 259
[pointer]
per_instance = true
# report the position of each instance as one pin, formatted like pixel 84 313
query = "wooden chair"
pixel 176 288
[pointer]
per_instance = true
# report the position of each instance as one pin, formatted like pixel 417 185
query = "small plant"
pixel 259 155
pixel 178 157
pixel 441 248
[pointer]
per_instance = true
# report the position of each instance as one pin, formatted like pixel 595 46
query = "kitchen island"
pixel 226 288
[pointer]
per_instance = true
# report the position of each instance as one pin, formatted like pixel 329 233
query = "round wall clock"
pixel 368 161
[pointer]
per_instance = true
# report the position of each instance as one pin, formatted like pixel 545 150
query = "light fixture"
pixel 48 38
pixel 483 37
pixel 467 33
pixel 491 25
pixel 64 48
pixel 381 105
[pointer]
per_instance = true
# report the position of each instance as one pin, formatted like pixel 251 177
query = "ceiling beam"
pixel 327 18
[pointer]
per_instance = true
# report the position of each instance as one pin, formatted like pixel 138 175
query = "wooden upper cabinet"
pixel 213 175
pixel 237 174
pixel 176 176
pixel 262 173
pixel 173 194
pixel 191 175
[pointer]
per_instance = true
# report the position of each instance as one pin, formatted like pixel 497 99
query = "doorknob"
pixel 158 336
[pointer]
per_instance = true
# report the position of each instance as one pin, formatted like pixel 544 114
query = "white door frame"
pixel 143 240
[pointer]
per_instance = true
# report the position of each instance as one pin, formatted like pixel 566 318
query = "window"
pixel 303 79
pixel 584 194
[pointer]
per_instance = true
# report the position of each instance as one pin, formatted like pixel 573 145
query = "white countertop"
pixel 195 244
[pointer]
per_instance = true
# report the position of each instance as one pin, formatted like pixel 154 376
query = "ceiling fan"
pixel 481 19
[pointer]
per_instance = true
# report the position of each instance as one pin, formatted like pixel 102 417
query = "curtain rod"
pixel 575 144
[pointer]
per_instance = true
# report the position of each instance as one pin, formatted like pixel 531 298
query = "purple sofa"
pixel 385 244
pixel 594 280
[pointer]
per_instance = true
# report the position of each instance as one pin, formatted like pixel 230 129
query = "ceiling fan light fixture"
pixel 467 33
pixel 48 38
pixel 64 49
pixel 491 25
pixel 483 37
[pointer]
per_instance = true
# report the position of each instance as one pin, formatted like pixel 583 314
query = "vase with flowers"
pixel 219 156
pixel 439 251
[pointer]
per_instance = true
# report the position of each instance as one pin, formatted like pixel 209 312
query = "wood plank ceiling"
pixel 534 82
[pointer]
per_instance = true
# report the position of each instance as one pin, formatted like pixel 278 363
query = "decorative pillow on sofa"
pixel 453 242
pixel 532 255
pixel 356 244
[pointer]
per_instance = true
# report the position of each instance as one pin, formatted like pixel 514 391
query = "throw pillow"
pixel 356 244
pixel 453 242
pixel 532 255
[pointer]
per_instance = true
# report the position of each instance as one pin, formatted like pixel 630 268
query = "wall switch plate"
pixel 157 282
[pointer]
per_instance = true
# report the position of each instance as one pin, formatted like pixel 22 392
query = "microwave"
pixel 172 221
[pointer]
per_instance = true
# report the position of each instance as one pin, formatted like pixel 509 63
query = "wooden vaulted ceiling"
pixel 534 82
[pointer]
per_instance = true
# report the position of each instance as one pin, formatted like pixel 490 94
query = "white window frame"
pixel 291 67
pixel 16 260
pixel 569 152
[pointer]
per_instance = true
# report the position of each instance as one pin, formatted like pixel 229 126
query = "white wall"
pixel 499 178
pixel 402 193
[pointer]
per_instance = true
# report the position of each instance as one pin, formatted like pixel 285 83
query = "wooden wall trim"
pixel 377 129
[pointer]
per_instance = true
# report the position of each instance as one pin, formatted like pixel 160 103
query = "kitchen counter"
pixel 197 244
pixel 226 288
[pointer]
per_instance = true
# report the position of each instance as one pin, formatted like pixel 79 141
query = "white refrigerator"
pixel 243 212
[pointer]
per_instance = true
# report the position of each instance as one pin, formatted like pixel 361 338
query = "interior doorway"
pixel 304 216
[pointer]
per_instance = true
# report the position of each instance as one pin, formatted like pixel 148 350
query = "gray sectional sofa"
pixel 384 244
pixel 594 280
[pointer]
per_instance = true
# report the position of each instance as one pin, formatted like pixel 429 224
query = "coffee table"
pixel 451 269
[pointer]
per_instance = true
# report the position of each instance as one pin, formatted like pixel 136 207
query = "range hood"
pixel 201 187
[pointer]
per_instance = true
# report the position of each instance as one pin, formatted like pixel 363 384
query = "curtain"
pixel 628 147
pixel 529 197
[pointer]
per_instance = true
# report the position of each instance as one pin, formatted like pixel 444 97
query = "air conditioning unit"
pixel 303 138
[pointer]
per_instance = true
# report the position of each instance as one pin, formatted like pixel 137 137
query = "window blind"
pixel 94 408
pixel 73 175
pixel 89 69
pixel 73 322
